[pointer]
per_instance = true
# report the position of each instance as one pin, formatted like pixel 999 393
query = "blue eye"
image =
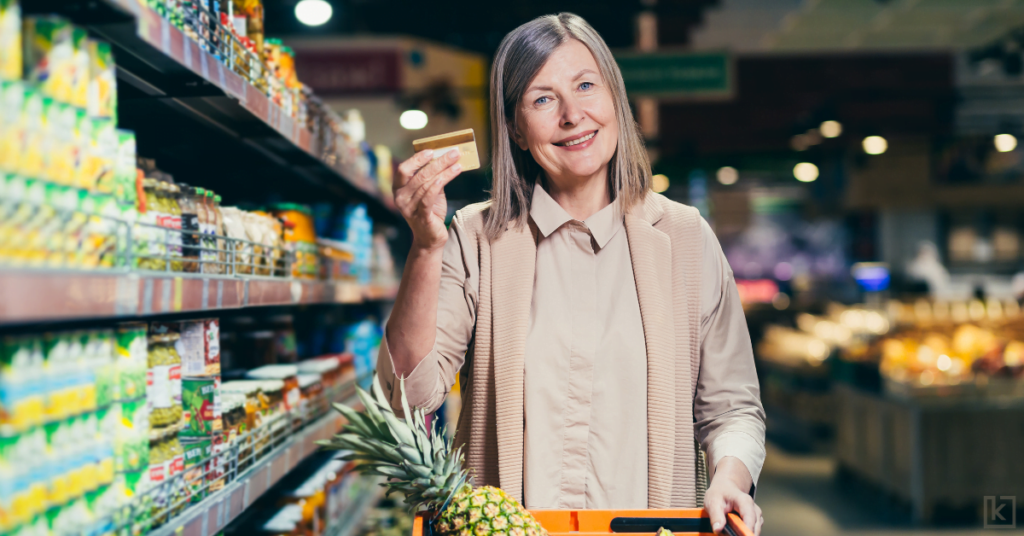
pixel 541 100
pixel 586 85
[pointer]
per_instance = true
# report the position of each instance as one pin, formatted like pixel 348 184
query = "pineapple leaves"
pixel 416 459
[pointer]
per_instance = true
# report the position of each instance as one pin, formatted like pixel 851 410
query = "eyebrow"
pixel 549 88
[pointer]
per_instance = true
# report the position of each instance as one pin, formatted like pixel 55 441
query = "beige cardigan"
pixel 665 250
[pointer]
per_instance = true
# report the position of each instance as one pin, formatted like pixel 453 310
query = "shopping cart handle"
pixel 652 524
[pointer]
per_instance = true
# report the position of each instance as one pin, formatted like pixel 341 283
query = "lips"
pixel 577 140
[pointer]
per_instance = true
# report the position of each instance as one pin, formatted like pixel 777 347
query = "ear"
pixel 518 138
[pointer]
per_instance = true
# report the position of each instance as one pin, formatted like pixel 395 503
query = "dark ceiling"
pixel 480 25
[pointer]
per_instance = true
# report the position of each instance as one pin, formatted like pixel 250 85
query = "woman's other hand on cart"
pixel 730 492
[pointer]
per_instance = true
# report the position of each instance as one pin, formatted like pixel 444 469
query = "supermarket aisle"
pixel 800 497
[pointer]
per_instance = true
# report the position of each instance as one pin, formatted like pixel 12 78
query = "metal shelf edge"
pixel 30 296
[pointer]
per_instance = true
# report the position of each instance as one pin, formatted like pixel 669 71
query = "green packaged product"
pixel 99 349
pixel 103 503
pixel 102 99
pixel 79 96
pixel 136 488
pixel 124 168
pixel 101 157
pixel 202 412
pixel 197 455
pixel 131 446
pixel 130 363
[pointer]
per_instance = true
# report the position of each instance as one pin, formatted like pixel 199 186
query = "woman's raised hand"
pixel 419 195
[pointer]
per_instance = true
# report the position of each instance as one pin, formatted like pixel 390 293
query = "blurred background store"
pixel 198 245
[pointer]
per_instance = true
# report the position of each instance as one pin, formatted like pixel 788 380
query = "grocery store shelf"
pixel 219 509
pixel 183 99
pixel 45 295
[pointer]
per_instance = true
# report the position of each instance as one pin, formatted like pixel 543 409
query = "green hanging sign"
pixel 674 74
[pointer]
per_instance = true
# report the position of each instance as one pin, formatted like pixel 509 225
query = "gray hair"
pixel 521 55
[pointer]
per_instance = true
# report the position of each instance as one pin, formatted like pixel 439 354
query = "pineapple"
pixel 424 469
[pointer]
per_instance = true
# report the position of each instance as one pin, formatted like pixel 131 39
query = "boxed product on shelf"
pixel 102 84
pixel 131 361
pixel 10 40
pixel 199 346
pixel 131 444
pixel 202 407
pixel 330 368
pixel 288 374
pixel 49 55
pixel 196 453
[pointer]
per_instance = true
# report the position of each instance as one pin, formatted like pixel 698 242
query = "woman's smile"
pixel 578 142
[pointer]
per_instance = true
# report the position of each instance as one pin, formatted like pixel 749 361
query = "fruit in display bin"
pixel 424 468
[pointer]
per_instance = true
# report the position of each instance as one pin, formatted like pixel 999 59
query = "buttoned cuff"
pixel 420 384
pixel 741 446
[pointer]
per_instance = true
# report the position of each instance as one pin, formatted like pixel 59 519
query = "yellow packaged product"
pixel 79 96
pixel 32 120
pixel 49 55
pixel 10 40
pixel 102 87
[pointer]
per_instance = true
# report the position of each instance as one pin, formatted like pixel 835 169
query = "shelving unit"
pixel 204 124
pixel 181 100
pixel 68 295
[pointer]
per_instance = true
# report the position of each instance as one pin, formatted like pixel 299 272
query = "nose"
pixel 572 112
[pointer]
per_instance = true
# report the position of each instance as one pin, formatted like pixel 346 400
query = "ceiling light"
pixel 805 172
pixel 1005 142
pixel 831 129
pixel 728 175
pixel 659 183
pixel 875 145
pixel 413 119
pixel 313 12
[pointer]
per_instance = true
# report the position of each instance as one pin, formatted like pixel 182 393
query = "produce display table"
pixel 934 453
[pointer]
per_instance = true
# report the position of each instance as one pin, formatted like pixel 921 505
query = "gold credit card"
pixel 463 141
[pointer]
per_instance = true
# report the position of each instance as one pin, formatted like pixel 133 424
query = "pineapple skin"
pixel 486 511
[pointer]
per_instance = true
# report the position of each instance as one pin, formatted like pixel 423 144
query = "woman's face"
pixel 566 118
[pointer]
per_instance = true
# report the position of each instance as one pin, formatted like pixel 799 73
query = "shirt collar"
pixel 548 215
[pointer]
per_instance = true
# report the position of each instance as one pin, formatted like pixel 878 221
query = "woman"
pixel 595 325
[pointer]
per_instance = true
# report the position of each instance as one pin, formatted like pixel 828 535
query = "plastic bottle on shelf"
pixel 216 231
pixel 190 228
pixel 206 256
pixel 173 222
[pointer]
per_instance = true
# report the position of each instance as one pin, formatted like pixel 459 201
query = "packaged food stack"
pixel 131 445
pixel 60 151
pixel 329 368
pixel 312 401
pixel 291 393
pixel 256 406
pixel 299 238
pixel 163 395
pixel 259 246
pixel 202 434
pixel 58 429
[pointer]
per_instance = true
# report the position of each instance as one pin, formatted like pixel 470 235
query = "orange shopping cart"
pixel 689 522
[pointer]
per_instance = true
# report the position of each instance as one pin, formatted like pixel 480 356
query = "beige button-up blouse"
pixel 586 363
